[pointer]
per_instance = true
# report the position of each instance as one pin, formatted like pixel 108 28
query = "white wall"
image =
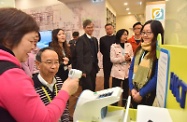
pixel 7 3
pixel 26 4
pixel 175 24
pixel 110 8
pixel 125 22
pixel 51 14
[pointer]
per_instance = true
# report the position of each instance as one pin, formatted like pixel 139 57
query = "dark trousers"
pixel 147 100
pixel 106 70
pixel 89 82
pixel 125 87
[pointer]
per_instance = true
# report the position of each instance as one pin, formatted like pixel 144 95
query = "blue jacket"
pixel 151 84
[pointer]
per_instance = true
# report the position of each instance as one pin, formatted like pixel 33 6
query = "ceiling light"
pixel 127 9
pixel 140 2
pixel 125 3
pixel 129 12
pixel 95 1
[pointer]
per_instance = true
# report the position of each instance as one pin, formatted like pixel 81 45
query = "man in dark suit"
pixel 86 56
pixel 105 43
pixel 72 44
pixel 75 36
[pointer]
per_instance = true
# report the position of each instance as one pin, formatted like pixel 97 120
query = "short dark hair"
pixel 108 24
pixel 119 34
pixel 137 23
pixel 39 54
pixel 14 24
pixel 75 34
pixel 86 22
pixel 39 36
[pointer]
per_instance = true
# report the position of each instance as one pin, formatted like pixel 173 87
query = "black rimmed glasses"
pixel 137 28
pixel 147 33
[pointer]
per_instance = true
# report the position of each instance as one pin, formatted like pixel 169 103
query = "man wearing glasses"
pixel 46 83
pixel 136 38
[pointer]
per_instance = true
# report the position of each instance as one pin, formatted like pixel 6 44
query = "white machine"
pixel 74 73
pixel 152 114
pixel 92 106
pixel 127 113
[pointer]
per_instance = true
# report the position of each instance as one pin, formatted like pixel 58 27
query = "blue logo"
pixel 158 13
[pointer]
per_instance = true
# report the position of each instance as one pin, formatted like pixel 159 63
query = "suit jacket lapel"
pixel 87 40
pixel 95 44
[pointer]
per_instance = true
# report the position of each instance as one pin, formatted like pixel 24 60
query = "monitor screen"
pixel 46 38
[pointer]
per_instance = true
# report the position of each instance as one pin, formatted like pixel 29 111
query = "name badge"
pixel 133 76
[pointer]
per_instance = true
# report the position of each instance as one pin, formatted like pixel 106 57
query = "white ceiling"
pixel 134 5
pixel 69 1
pixel 7 3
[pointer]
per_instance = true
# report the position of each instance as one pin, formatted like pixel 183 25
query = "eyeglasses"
pixel 50 63
pixel 147 33
pixel 89 27
pixel 137 28
pixel 125 34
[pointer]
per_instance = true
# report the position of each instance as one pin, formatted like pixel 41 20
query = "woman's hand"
pixel 137 98
pixel 133 92
pixel 127 57
pixel 65 60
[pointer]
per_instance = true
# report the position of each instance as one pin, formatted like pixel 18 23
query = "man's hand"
pixel 70 85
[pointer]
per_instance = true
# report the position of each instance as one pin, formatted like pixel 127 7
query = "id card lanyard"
pixel 123 53
pixel 123 50
pixel 47 95
pixel 143 55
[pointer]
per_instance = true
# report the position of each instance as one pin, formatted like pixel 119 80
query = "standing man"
pixel 72 44
pixel 136 38
pixel 75 36
pixel 86 56
pixel 47 85
pixel 105 43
